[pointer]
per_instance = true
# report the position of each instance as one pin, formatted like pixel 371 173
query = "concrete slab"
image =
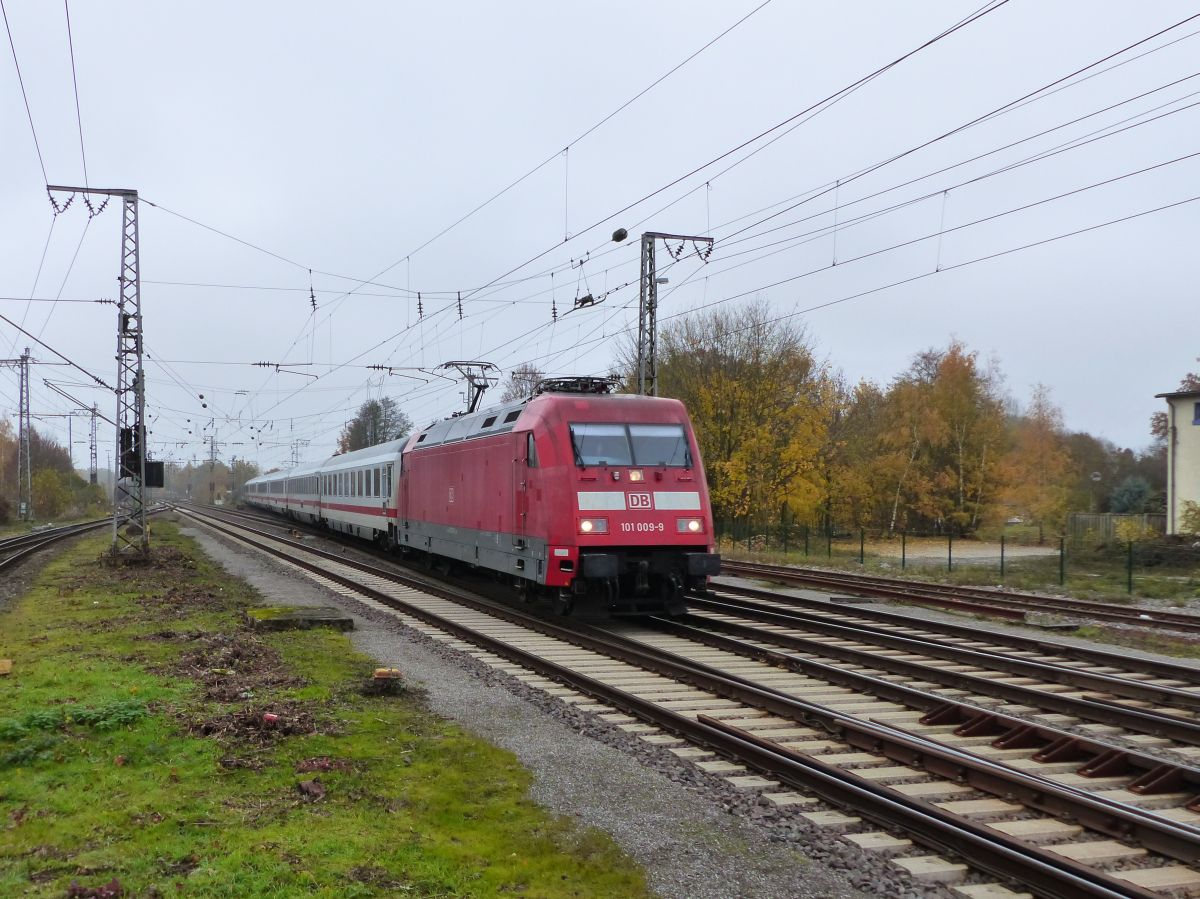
pixel 878 842
pixel 932 869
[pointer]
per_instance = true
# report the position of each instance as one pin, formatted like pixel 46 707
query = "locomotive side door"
pixel 520 490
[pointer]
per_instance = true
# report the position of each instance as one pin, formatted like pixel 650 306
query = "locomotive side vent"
pixel 576 385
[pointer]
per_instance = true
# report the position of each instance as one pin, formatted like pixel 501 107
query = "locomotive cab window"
pixel 600 444
pixel 531 456
pixel 660 445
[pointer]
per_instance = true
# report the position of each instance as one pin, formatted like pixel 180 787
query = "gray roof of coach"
pixel 381 451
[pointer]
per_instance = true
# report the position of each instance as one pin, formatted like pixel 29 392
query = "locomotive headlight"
pixel 689 525
pixel 593 526
pixel 636 476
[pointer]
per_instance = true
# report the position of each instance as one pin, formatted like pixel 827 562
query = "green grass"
pixel 106 771
pixel 1144 640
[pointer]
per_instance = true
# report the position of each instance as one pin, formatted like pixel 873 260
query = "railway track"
pixel 992 602
pixel 14 550
pixel 821 731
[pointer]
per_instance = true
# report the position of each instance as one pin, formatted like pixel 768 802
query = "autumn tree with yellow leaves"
pixel 1037 470
pixel 760 403
pixel 939 449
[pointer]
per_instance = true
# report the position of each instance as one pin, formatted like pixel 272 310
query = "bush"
pixel 1189 522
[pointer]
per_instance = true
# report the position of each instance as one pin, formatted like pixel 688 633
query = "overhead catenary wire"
pixel 24 95
pixel 843 204
pixel 75 82
pixel 845 91
pixel 978 14
pixel 100 381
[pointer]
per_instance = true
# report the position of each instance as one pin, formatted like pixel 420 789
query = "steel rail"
pixel 1010 731
pixel 971 599
pixel 1187 729
pixel 1156 667
pixel 28 544
pixel 1064 877
pixel 990 850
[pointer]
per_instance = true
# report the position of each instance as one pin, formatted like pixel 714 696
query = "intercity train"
pixel 587 498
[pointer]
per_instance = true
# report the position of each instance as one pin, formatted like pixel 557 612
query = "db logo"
pixel 640 501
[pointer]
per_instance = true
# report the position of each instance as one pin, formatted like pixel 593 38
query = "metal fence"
pixel 1104 527
pixel 1145 567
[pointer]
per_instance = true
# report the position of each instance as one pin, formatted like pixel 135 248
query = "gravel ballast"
pixel 692 833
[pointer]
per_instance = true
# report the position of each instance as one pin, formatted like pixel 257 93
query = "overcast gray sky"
pixel 343 139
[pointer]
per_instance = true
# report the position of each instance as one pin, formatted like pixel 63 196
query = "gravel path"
pixel 692 845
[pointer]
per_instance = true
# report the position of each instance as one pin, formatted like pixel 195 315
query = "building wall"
pixel 1183 459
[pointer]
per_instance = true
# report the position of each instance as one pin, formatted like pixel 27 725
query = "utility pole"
pixel 212 467
pixel 130 536
pixel 24 462
pixel 93 470
pixel 24 456
pixel 94 412
pixel 647 354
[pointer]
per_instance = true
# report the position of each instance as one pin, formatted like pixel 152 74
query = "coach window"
pixel 531 450
pixel 377 484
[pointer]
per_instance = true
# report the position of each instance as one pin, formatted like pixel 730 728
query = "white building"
pixel 1183 454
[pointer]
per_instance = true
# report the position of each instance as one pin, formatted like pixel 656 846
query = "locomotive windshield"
pixel 597 444
pixel 615 444
pixel 660 445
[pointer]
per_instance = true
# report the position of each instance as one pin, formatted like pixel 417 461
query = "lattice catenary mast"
pixel 129 488
pixel 24 426
pixel 647 344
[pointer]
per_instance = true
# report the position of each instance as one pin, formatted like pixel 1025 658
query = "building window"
pixel 1196 414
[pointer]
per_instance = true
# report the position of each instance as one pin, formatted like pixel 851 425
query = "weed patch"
pixel 151 745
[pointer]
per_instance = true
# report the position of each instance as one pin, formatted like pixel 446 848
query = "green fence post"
pixel 862 546
pixel 949 551
pixel 903 550
pixel 1129 570
pixel 1001 558
pixel 807 529
pixel 829 541
pixel 749 530
pixel 784 528
pixel 1062 561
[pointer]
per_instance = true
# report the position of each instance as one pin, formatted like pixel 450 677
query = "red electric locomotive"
pixel 591 499
pixel 578 495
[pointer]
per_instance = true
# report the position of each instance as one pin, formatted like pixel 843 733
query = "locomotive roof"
pixel 500 419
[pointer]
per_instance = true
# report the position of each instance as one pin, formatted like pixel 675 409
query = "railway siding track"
pixel 1165 671
pixel 976 600
pixel 1145 708
pixel 1026 743
pixel 810 746
pixel 16 549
